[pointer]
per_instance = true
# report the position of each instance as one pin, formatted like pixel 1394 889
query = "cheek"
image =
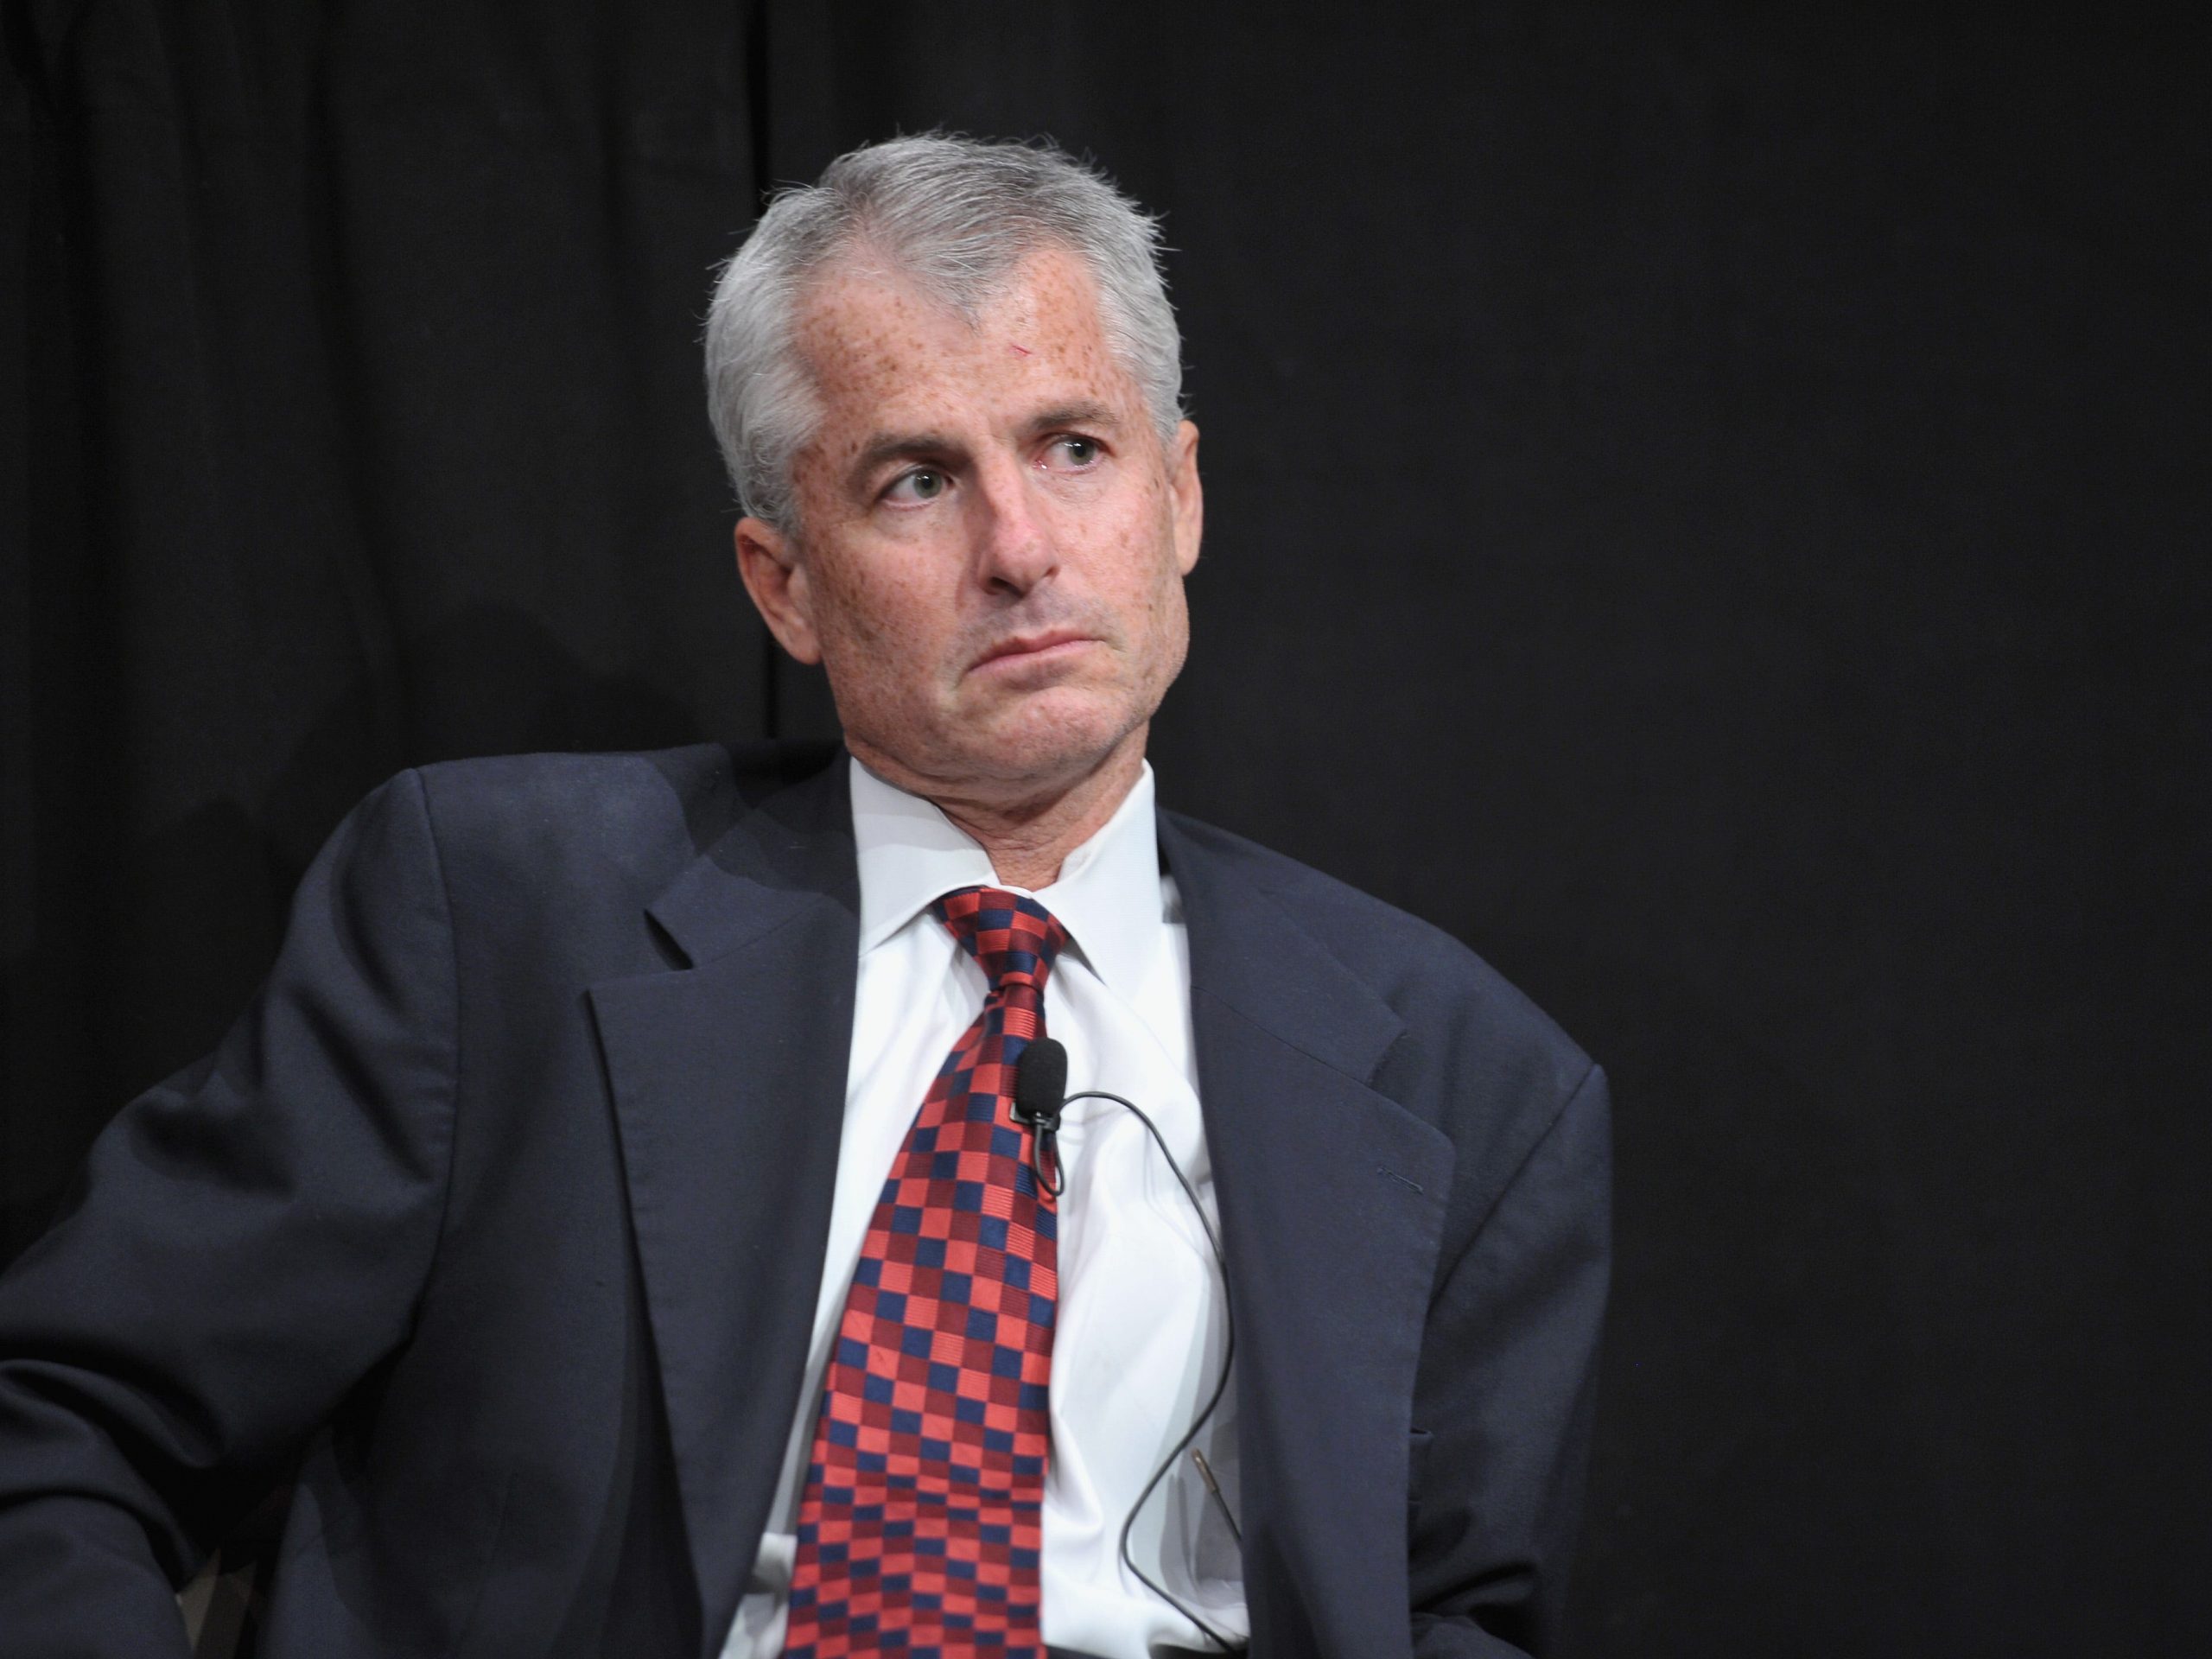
pixel 876 612
pixel 1171 623
pixel 1154 576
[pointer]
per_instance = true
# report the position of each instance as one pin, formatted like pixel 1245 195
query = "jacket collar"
pixel 791 851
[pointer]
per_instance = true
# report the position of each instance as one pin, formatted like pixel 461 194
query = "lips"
pixel 1030 644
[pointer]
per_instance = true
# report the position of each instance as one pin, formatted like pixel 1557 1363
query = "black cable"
pixel 1221 1384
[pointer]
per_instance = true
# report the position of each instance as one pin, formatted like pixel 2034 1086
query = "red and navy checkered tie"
pixel 920 1527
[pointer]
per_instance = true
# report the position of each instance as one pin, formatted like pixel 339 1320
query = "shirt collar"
pixel 1108 895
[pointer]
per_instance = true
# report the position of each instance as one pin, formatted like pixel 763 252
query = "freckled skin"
pixel 1028 496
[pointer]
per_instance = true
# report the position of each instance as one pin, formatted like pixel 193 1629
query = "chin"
pixel 1050 737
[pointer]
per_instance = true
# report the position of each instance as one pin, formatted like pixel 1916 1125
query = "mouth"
pixel 1021 650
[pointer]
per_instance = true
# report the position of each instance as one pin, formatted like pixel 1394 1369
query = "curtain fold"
pixel 355 402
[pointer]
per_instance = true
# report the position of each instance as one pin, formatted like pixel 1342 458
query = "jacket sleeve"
pixel 246 1241
pixel 1502 1411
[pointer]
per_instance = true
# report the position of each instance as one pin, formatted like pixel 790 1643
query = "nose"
pixel 1015 551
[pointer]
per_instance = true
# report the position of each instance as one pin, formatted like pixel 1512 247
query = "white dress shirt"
pixel 1139 1330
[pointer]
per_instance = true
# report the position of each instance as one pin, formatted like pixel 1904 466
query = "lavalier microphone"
pixel 1040 1078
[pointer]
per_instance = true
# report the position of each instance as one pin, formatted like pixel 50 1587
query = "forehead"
pixel 882 352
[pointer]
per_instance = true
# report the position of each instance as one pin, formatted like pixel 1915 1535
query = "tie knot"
pixel 1013 937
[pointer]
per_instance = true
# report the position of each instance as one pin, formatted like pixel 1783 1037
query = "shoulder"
pixel 1463 1019
pixel 626 823
pixel 690 794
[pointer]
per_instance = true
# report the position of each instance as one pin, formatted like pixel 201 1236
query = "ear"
pixel 1190 505
pixel 769 565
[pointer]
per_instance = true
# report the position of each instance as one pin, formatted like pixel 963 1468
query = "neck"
pixel 1029 835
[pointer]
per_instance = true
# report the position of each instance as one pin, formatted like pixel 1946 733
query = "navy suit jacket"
pixel 499 1216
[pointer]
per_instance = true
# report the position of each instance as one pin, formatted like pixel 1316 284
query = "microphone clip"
pixel 1044 1145
pixel 1045 1155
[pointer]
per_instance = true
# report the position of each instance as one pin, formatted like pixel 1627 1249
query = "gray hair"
pixel 953 215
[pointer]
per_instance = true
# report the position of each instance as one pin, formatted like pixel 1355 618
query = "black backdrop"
pixel 1707 503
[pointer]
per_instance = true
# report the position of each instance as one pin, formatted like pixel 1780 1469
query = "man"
pixel 615 1206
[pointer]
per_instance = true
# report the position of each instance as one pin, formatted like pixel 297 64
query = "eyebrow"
pixel 1077 414
pixel 886 447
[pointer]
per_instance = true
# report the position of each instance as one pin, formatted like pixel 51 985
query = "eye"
pixel 1073 453
pixel 923 484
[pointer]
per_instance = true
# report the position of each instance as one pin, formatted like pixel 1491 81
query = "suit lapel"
pixel 728 1078
pixel 1332 1201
